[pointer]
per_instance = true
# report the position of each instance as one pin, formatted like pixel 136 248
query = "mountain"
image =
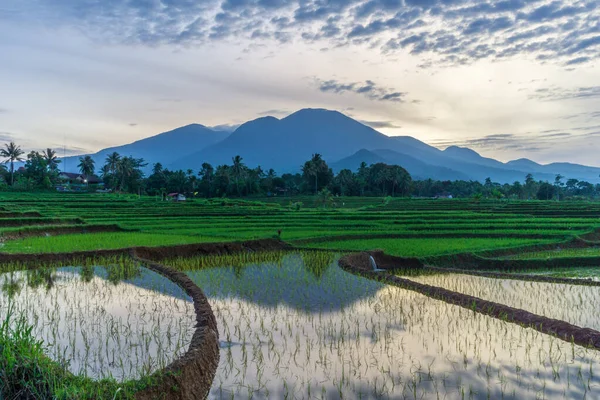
pixel 286 144
pixel 417 168
pixel 164 148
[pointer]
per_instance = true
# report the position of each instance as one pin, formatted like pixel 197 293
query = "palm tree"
pixel 313 167
pixel 207 173
pixel 105 171
pixel 11 152
pixel 237 170
pixel 52 160
pixel 86 166
pixel 112 160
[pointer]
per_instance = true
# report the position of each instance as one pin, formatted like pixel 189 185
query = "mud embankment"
pixel 518 277
pixel 359 263
pixel 190 376
pixel 60 230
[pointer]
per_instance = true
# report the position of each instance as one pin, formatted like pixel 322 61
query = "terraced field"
pixel 470 299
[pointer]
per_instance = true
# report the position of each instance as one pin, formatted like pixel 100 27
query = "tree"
pixel 86 166
pixel 237 170
pixel 546 191
pixel 36 169
pixel 11 153
pixel 345 179
pixel 558 184
pixel 52 160
pixel 129 172
pixel 318 169
pixel 112 160
pixel 400 178
pixel 206 177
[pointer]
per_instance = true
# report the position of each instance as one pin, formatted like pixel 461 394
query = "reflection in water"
pixel 286 332
pixel 577 305
pixel 100 327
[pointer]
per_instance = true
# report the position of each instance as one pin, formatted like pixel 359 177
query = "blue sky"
pixel 507 78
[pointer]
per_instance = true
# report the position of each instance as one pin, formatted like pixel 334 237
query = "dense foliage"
pixel 126 174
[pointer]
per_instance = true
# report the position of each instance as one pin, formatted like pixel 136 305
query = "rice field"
pixel 577 305
pixel 334 335
pixel 101 321
pixel 291 322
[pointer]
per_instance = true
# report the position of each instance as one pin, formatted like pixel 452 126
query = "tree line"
pixel 126 174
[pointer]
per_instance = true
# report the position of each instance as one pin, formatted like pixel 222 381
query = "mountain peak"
pixel 461 151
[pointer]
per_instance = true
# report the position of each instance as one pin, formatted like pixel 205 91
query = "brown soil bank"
pixel 519 277
pixel 189 377
pixel 59 230
pixel 359 263
pixel 190 250
pixel 468 261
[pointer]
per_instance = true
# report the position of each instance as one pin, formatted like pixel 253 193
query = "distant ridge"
pixel 285 144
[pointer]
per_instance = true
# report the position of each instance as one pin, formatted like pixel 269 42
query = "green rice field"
pixel 291 322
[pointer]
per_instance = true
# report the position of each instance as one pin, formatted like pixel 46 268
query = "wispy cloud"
pixel 381 124
pixel 457 31
pixel 367 89
pixel 556 93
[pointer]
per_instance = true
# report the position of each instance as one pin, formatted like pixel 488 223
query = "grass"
pixel 261 299
pixel 99 241
pixel 424 247
pixel 559 253
pixel 26 372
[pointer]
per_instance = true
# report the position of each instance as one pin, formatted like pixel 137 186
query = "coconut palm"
pixel 237 170
pixel 112 160
pixel 52 160
pixel 86 166
pixel 11 153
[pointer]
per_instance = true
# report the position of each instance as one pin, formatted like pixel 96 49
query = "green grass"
pixel 27 373
pixel 99 241
pixel 424 247
pixel 559 253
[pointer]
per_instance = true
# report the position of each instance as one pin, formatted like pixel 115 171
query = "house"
pixel 74 178
pixel 176 196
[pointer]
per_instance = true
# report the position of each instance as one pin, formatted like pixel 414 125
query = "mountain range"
pixel 285 144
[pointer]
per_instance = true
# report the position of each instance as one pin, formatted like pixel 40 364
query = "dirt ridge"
pixel 359 263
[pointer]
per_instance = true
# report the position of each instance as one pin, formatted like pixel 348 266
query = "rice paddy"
pixel 115 321
pixel 291 323
pixel 334 335
pixel 577 305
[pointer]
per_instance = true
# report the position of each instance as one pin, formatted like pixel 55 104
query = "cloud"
pixel 225 127
pixel 6 137
pixel 509 141
pixel 380 124
pixel 368 89
pixel 275 112
pixel 3 111
pixel 132 124
pixel 565 32
pixel 555 93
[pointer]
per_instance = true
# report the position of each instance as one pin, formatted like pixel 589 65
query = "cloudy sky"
pixel 510 78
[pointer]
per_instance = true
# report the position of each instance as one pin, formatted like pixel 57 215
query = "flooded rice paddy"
pixel 299 327
pixel 120 321
pixel 577 305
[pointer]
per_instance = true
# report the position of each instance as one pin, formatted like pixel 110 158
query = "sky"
pixel 509 78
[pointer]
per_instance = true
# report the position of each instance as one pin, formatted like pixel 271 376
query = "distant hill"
pixel 164 148
pixel 417 168
pixel 285 144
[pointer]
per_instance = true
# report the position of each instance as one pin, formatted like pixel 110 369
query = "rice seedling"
pixel 120 321
pixel 289 329
pixel 577 305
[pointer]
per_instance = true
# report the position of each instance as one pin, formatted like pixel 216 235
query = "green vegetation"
pixel 425 247
pixel 300 303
